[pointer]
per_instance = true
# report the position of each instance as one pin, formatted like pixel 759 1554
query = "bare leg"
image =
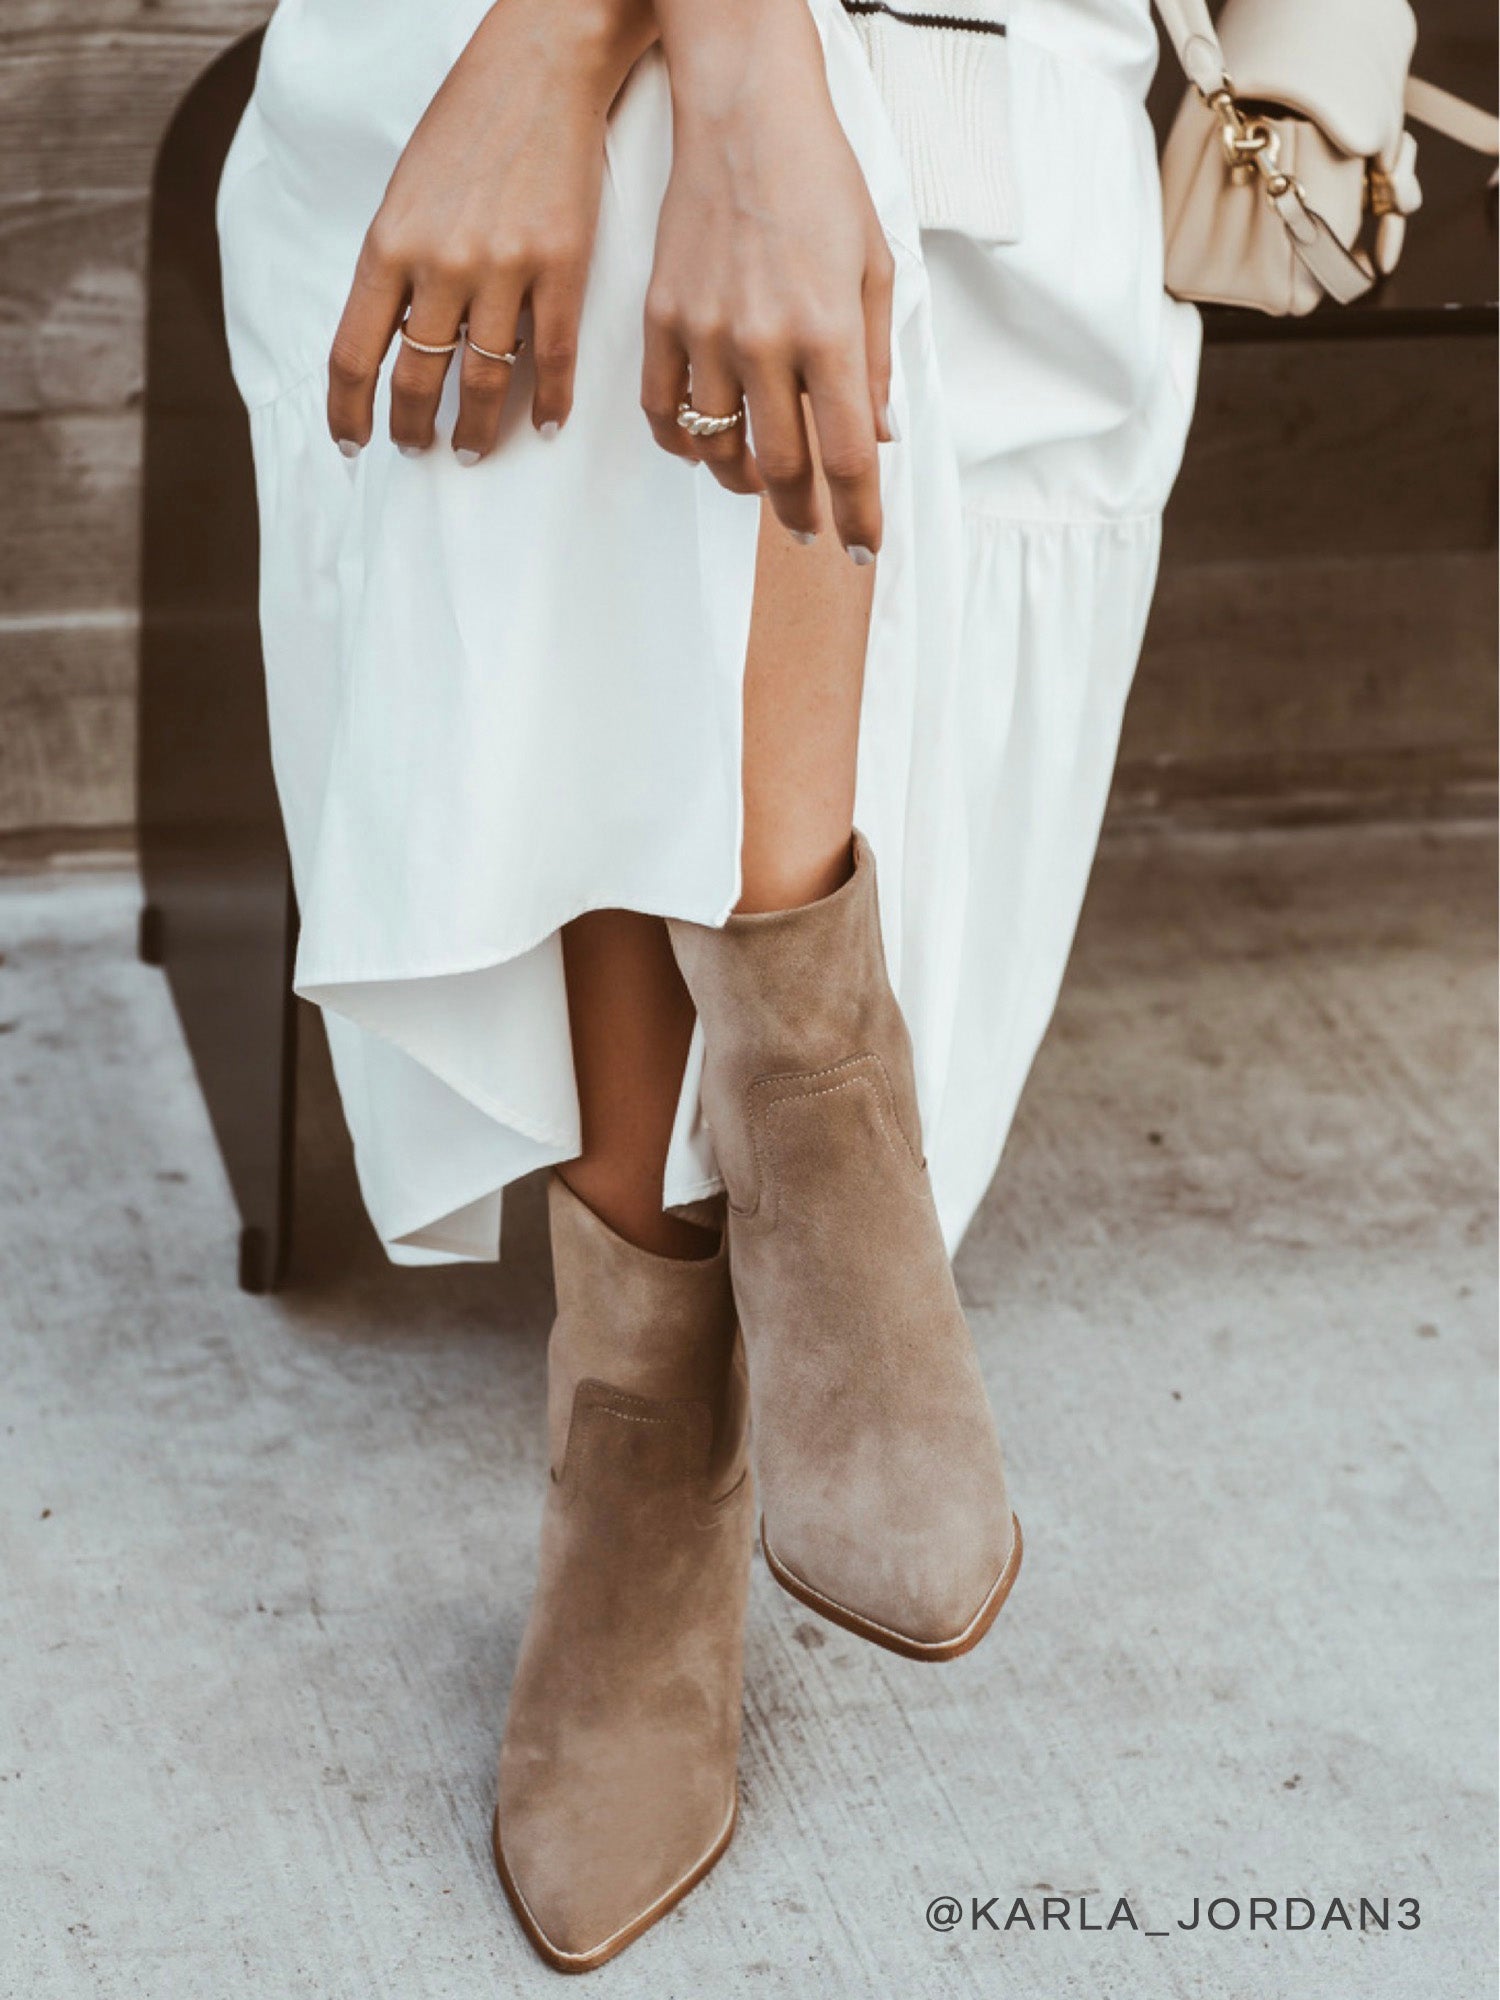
pixel 804 676
pixel 631 1020
pixel 629 1010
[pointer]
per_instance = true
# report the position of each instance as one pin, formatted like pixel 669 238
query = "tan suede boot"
pixel 881 1477
pixel 617 1772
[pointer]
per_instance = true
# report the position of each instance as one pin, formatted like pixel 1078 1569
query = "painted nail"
pixel 465 456
pixel 803 536
pixel 860 556
pixel 410 450
pixel 892 428
pixel 549 430
pixel 349 448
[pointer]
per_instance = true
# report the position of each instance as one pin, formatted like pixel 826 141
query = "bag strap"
pixel 1453 116
pixel 1346 275
pixel 1190 28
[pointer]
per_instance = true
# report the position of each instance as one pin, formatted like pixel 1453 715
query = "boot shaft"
pixel 791 993
pixel 645 1329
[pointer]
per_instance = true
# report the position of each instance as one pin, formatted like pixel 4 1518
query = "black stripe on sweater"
pixel 959 23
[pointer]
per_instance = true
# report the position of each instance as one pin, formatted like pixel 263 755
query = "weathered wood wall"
pixel 86 89
pixel 1376 678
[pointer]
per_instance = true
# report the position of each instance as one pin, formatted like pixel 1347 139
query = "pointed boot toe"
pixel 921 1610
pixel 617 1781
pixel 913 1543
pixel 594 1879
pixel 880 1471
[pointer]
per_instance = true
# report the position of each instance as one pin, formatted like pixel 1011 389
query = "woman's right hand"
pixel 773 279
pixel 492 208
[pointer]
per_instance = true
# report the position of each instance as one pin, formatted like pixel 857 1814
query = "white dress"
pixel 503 696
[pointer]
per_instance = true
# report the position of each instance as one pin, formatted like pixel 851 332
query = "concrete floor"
pixel 266 1562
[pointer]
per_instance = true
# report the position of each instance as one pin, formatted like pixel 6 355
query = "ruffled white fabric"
pixel 503 696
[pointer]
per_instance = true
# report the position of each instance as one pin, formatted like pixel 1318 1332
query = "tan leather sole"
pixel 585 1961
pixel 883 1635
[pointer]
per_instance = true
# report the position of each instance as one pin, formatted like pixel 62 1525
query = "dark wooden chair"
pixel 1303 428
pixel 218 913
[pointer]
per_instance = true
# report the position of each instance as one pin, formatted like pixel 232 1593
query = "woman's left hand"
pixel 772 287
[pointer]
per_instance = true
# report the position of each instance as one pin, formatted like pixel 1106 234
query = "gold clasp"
pixel 1250 144
pixel 1382 191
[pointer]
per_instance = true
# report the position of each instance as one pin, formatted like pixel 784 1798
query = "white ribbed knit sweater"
pixel 942 67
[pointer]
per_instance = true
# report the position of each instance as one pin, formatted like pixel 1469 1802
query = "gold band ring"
pixel 510 357
pixel 428 346
pixel 699 424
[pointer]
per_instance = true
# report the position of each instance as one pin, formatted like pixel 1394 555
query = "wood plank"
pixel 1256 672
pixel 1380 726
pixel 72 301
pixel 1339 448
pixel 68 512
pixel 26 20
pixel 1328 688
pixel 85 109
pixel 1309 657
pixel 67 722
pixel 83 105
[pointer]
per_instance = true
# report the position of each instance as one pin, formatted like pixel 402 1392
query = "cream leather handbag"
pixel 1289 173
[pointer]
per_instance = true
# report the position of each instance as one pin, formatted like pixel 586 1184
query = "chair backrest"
pixel 218 908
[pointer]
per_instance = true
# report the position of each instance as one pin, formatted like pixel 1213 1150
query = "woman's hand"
pixel 492 207
pixel 772 279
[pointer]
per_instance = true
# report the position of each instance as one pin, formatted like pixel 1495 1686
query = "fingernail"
pixel 892 428
pixel 350 448
pixel 802 536
pixel 549 430
pixel 465 456
pixel 860 556
pixel 410 450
